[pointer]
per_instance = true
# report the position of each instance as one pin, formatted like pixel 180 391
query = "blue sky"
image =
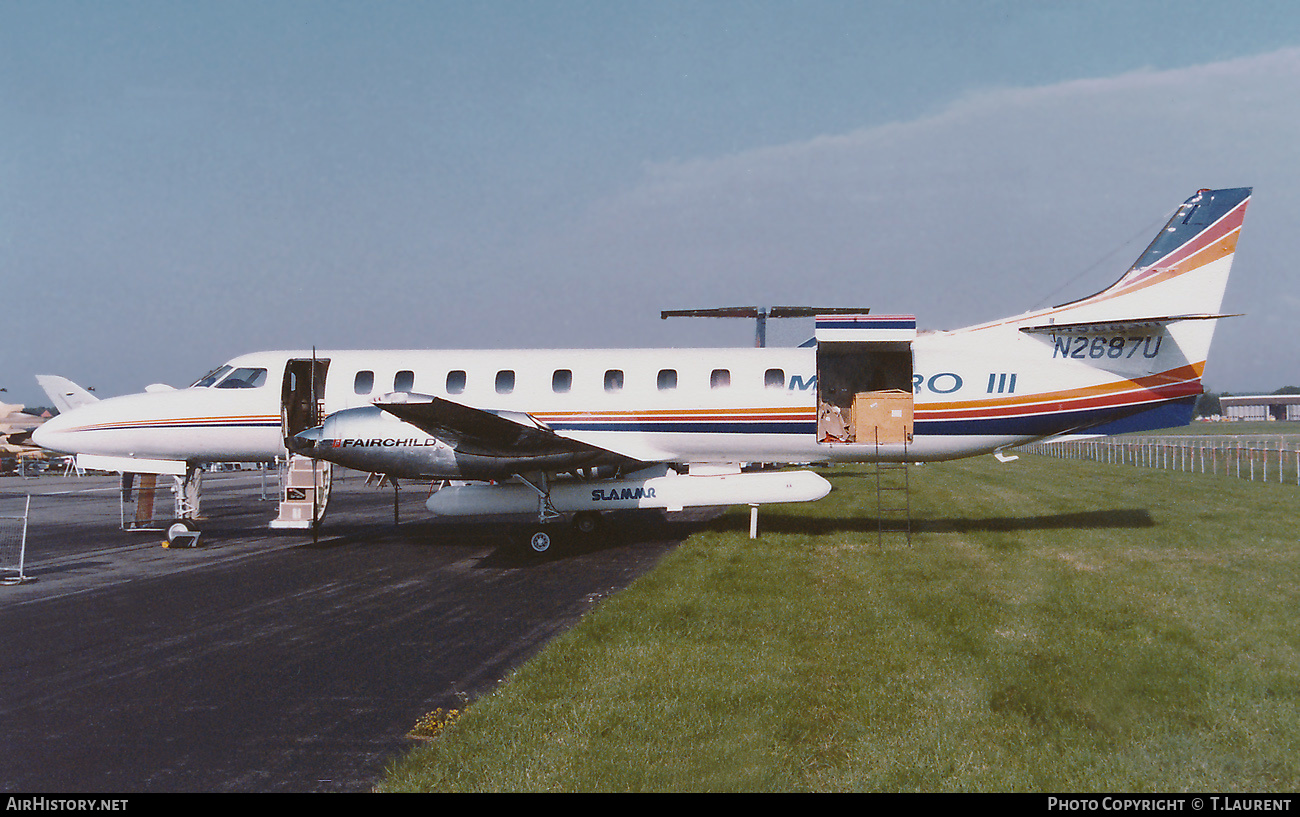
pixel 181 182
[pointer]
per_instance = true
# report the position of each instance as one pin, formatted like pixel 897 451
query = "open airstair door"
pixel 864 379
pixel 302 394
pixel 305 483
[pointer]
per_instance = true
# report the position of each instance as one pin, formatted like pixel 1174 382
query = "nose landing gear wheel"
pixel 540 542
pixel 182 534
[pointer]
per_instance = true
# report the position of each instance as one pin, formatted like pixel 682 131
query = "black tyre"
pixel 586 522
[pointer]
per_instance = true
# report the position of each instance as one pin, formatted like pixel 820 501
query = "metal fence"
pixel 13 545
pixel 1264 459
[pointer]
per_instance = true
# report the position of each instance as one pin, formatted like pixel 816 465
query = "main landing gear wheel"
pixel 586 522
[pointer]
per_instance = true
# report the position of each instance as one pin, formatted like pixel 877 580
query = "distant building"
pixel 1261 407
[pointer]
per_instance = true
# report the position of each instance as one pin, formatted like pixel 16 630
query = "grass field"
pixel 1225 429
pixel 1052 626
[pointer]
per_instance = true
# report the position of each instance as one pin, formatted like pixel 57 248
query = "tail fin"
pixel 65 394
pixel 1178 280
pixel 1153 327
pixel 1183 272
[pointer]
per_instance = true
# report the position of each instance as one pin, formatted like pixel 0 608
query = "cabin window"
pixel 404 380
pixel 455 382
pixel 561 381
pixel 244 379
pixel 614 380
pixel 667 379
pixel 720 379
pixel 505 381
pixel 364 382
pixel 774 379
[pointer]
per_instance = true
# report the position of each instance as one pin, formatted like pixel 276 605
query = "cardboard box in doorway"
pixel 888 413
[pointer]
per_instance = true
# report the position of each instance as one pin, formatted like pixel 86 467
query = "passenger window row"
pixel 561 380
pixel 364 382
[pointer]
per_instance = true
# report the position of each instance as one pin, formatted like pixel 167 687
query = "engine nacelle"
pixel 370 439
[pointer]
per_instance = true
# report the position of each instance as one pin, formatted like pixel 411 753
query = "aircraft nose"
pixel 53 433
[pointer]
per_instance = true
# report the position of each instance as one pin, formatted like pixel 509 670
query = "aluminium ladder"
pixel 893 495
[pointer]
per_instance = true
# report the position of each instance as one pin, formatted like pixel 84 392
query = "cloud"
pixel 1009 199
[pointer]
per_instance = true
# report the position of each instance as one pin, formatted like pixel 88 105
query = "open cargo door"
pixel 864 379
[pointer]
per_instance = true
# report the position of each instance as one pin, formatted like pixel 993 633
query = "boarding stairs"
pixel 305 492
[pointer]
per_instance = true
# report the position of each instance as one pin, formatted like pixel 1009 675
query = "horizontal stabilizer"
pixel 1127 325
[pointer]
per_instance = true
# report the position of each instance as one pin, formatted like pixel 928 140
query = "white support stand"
pixel 141 490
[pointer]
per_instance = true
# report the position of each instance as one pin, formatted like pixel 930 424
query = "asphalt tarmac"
pixel 262 661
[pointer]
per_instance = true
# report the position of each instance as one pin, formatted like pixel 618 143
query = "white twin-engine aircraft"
pixel 571 433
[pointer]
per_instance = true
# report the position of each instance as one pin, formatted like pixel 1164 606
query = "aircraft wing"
pixel 20 437
pixel 484 432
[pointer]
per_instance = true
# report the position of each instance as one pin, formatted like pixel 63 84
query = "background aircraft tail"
pixel 65 394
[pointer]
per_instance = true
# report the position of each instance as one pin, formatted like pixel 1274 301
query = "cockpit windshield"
pixel 243 379
pixel 228 377
pixel 211 377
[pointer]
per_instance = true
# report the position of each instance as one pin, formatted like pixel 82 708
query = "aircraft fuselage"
pixel 869 388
